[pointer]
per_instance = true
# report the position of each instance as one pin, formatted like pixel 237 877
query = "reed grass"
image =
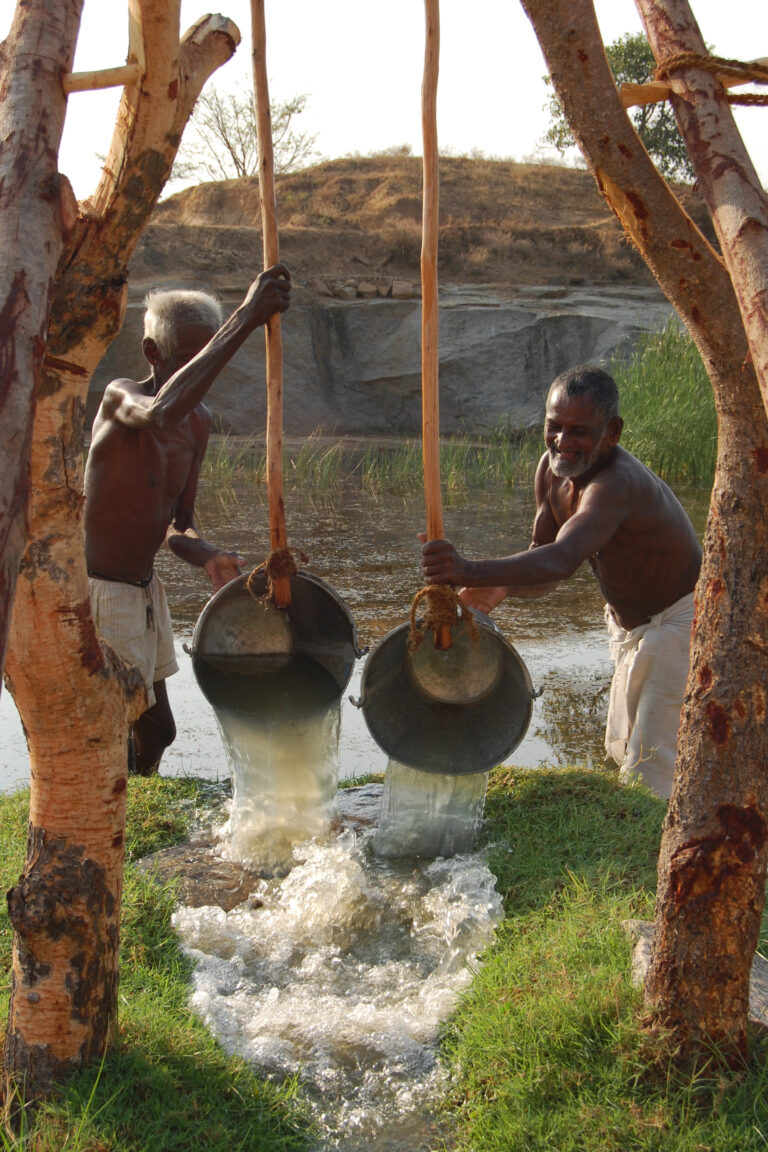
pixel 317 464
pixel 500 460
pixel 668 407
pixel 669 423
pixel 229 459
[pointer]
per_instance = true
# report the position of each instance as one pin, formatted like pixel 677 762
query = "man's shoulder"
pixel 116 390
pixel 124 384
pixel 624 469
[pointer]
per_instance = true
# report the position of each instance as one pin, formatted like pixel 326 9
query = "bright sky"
pixel 360 63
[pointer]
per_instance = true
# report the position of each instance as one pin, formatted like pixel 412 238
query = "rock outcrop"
pixel 354 366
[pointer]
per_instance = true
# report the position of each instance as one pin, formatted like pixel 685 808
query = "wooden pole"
pixel 104 78
pixel 430 403
pixel 273 334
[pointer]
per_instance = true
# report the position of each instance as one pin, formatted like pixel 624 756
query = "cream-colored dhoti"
pixel 136 622
pixel 647 690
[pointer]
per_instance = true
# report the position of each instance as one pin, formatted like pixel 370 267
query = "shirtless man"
pixel 147 447
pixel 597 502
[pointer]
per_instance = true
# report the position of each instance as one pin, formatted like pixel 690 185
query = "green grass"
pixel 547 1048
pixel 228 459
pixel 668 407
pixel 500 460
pixel 165 1084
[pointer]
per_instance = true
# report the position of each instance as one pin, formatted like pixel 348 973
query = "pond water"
pixel 364 545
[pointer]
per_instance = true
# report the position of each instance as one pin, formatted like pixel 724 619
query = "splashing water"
pixel 429 814
pixel 279 719
pixel 343 977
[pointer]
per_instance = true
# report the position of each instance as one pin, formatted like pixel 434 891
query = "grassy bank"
pixel 547 1050
pixel 165 1085
pixel 666 401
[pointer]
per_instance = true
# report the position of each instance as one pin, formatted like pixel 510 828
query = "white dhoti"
pixel 651 668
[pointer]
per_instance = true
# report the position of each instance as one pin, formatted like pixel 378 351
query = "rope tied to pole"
pixel 748 72
pixel 443 609
pixel 279 565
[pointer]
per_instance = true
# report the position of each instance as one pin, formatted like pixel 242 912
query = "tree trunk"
pixel 712 866
pixel 714 844
pixel 75 697
pixel 40 46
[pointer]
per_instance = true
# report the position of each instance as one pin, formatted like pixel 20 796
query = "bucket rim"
pixel 233 587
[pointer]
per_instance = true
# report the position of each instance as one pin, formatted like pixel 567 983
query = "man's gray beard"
pixel 567 471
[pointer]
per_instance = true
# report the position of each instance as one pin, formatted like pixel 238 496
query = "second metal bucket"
pixel 453 713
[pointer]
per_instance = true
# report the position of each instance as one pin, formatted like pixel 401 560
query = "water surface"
pixel 364 545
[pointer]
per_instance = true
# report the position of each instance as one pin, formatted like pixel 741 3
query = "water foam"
pixel 343 976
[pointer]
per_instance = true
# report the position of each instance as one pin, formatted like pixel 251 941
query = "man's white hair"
pixel 171 310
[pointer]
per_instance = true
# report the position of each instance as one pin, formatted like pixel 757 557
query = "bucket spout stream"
pixel 275 678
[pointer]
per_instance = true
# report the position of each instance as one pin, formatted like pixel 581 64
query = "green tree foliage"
pixel 632 62
pixel 221 142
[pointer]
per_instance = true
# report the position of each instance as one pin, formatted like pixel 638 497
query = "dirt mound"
pixel 500 222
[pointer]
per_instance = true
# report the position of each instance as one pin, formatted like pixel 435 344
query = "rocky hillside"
pixel 360 218
pixel 535 277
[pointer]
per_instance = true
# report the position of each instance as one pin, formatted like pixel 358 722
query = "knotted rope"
pixel 749 72
pixel 280 564
pixel 443 608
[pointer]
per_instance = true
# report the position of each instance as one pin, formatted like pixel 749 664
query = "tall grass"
pixel 316 464
pixel 229 459
pixel 669 424
pixel 668 407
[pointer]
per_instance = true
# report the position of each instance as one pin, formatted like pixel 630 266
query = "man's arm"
pixel 544 532
pixel 127 402
pixel 189 545
pixel 603 507
pixel 182 536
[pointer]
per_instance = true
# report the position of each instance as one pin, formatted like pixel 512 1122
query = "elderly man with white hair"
pixel 147 447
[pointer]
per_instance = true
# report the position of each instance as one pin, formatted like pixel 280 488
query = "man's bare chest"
pixel 163 462
pixel 564 500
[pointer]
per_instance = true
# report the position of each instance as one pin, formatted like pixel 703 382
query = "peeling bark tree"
pixel 76 699
pixel 40 46
pixel 713 858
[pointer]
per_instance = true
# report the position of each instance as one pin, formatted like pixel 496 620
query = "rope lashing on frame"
pixel 753 73
pixel 443 607
pixel 280 564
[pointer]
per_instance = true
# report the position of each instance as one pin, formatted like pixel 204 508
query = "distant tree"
pixel 632 62
pixel 222 141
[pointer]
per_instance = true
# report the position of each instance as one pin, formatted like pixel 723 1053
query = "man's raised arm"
pixel 127 402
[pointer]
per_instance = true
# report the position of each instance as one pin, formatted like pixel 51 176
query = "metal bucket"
pixel 455 712
pixel 315 632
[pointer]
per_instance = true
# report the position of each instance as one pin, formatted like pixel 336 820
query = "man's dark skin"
pixel 147 447
pixel 594 502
